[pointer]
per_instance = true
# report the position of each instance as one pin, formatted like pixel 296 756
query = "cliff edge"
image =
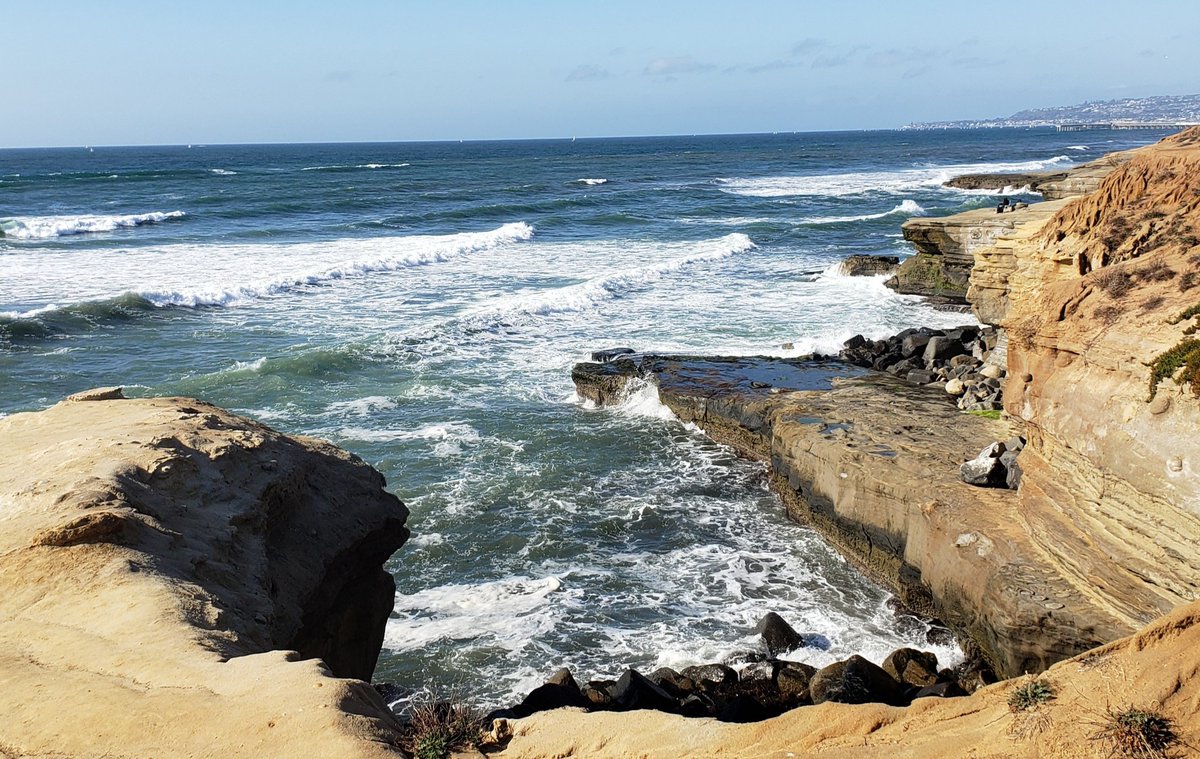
pixel 171 578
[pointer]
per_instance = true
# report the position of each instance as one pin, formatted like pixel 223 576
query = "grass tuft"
pixel 1030 696
pixel 434 730
pixel 1136 733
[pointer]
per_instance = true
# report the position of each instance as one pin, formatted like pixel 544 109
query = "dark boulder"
pixel 861 265
pixel 598 693
pixel 672 682
pixel 635 691
pixel 855 681
pixel 563 677
pixel 856 342
pixel 793 680
pixel 949 689
pixel 778 634
pixel 912 667
pixel 711 676
pixel 986 469
pixel 546 697
pixel 914 345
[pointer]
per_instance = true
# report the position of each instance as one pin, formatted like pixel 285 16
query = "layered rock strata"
pixel 866 460
pixel 946 247
pixel 191 583
pixel 1052 185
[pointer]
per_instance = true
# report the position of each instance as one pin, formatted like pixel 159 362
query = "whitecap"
pixel 362 406
pixel 222 172
pixel 48 227
pixel 591 181
pixel 857 183
pixel 906 208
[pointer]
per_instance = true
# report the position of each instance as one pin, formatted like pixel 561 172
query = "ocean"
pixel 421 304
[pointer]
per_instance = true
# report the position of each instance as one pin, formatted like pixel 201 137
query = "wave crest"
pixel 49 227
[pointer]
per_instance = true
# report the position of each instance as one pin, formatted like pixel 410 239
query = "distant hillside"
pixel 1167 110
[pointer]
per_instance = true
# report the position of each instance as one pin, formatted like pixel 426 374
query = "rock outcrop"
pixel 1097 302
pixel 946 247
pixel 179 581
pixel 872 462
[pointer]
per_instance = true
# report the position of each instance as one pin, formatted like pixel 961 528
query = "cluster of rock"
pixel 766 685
pixel 863 265
pixel 955 360
pixel 996 466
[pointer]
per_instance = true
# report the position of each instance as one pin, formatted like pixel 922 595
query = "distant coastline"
pixel 1167 112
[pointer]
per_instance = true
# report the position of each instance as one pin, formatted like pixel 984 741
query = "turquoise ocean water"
pixel 421 304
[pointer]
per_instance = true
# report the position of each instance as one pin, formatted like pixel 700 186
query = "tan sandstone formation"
pixel 1157 668
pixel 1094 300
pixel 946 247
pixel 169 571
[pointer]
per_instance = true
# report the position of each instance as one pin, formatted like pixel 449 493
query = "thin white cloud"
pixel 674 66
pixel 587 72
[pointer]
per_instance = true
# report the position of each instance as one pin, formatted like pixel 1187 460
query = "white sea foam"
pixel 586 295
pixel 587 181
pixel 410 251
pixel 507 613
pixel 247 366
pixel 381 165
pixel 222 172
pixel 449 439
pixel 362 406
pixel 640 398
pixel 906 208
pixel 47 227
pixel 1077 147
pixel 857 183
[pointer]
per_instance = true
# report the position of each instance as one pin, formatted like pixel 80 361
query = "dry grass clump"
pixel 1156 270
pixel 1188 281
pixel 1025 331
pixel 1114 232
pixel 1136 733
pixel 1113 281
pixel 1108 314
pixel 434 730
pixel 1153 302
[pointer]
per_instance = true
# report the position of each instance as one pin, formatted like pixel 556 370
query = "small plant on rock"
pixel 436 729
pixel 1136 733
pixel 1030 696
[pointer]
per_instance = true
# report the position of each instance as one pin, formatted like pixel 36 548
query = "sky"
pixel 175 72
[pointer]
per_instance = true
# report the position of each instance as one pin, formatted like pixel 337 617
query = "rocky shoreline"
pixel 181 581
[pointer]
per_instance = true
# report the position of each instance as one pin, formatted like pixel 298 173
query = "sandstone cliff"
pixel 169 571
pixel 1095 299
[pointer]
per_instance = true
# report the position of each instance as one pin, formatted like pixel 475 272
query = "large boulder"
pixel 635 691
pixel 855 681
pixel 778 635
pixel 912 667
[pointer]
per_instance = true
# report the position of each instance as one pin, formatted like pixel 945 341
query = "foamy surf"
pixel 591 182
pixel 858 183
pixel 48 227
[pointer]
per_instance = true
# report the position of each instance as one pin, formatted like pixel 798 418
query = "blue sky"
pixel 79 73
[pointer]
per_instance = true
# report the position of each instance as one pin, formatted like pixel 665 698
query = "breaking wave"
pixel 858 183
pixel 907 208
pixel 49 227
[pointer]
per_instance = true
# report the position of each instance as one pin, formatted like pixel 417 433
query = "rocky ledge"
pixel 869 461
pixel 176 580
pixel 1052 185
pixel 945 248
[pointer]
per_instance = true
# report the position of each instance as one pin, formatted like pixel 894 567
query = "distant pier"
pixel 1087 127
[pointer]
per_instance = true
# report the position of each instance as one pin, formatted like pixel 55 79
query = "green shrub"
pixel 1136 733
pixel 1185 355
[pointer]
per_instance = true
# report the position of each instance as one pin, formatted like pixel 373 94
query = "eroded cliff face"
pixel 1111 489
pixel 170 570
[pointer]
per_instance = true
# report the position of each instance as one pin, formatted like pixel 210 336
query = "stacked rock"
pixel 955 360
pixel 762 687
